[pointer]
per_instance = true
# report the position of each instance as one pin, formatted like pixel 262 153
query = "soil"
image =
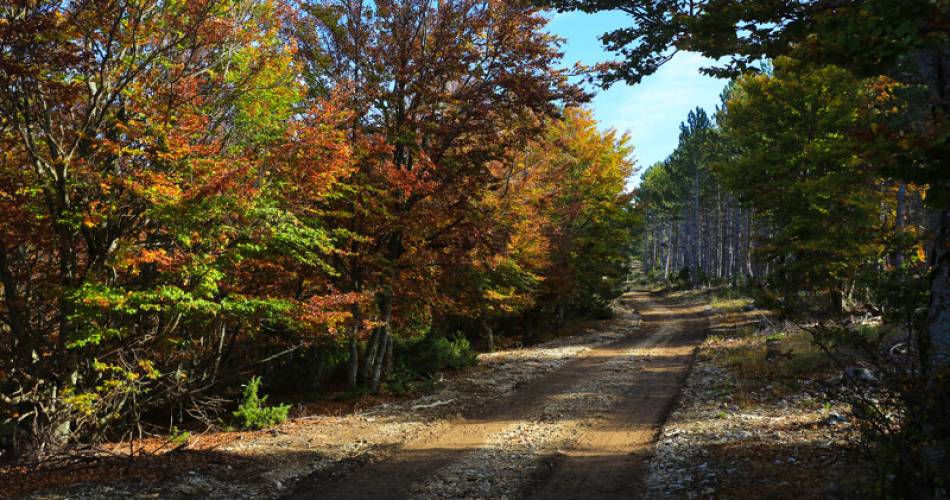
pixel 577 417
pixel 584 430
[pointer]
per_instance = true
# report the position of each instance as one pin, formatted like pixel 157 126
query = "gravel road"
pixel 581 424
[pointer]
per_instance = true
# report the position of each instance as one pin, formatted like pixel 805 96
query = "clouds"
pixel 652 110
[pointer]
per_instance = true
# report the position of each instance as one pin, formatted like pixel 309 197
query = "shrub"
pixel 253 414
pixel 400 382
pixel 435 353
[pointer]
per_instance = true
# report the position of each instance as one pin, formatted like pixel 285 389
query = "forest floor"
pixel 577 417
pixel 751 427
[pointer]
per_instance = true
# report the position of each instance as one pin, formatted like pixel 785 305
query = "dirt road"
pixel 582 430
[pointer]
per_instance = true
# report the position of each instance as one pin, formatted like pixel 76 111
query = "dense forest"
pixel 318 196
pixel 197 192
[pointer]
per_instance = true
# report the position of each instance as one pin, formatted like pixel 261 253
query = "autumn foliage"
pixel 193 193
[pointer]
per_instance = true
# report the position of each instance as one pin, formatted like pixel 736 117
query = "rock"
pixel 834 419
pixel 861 375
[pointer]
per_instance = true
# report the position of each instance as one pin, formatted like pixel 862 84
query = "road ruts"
pixel 610 459
pixel 598 417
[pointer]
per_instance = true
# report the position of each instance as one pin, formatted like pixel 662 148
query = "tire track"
pixel 582 431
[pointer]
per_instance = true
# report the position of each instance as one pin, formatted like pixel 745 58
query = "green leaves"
pixel 253 414
pixel 796 163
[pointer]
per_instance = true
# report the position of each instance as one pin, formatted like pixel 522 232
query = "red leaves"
pixel 328 312
pixel 315 153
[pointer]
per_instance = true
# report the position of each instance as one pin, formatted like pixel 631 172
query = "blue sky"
pixel 652 110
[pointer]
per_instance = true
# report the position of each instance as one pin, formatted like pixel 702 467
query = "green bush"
pixel 435 353
pixel 253 414
pixel 179 437
pixel 400 382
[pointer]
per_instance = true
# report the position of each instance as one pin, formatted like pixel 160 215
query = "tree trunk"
pixel 388 358
pixel 669 254
pixel 937 341
pixel 369 355
pixel 353 365
pixel 488 333
pixel 386 311
pixel 696 237
pixel 16 319
pixel 723 234
pixel 836 302
pixel 750 273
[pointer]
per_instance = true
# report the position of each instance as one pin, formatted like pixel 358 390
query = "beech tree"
pixel 589 218
pixel 561 226
pixel 136 203
pixel 445 88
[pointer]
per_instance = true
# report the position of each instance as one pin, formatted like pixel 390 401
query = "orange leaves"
pixel 132 260
pixel 315 153
pixel 417 181
pixel 158 256
pixel 155 187
pixel 328 312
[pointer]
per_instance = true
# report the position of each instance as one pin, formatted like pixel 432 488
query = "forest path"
pixel 585 430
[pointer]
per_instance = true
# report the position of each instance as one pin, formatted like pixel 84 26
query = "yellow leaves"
pixel 94 214
pixel 83 404
pixel 496 295
pixel 163 189
pixel 148 366
pixel 99 301
pixel 157 256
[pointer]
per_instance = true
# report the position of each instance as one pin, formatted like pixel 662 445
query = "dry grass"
pixel 729 304
pixel 739 344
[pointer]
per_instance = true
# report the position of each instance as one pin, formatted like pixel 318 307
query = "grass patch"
pixel 729 304
pixel 729 300
pixel 744 354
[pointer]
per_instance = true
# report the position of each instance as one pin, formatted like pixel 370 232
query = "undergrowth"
pixel 252 414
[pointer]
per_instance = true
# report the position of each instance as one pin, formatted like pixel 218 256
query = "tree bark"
pixel 669 254
pixel 749 247
pixel 937 341
pixel 934 67
pixel 353 365
pixel 386 311
pixel 369 355
pixel 488 333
